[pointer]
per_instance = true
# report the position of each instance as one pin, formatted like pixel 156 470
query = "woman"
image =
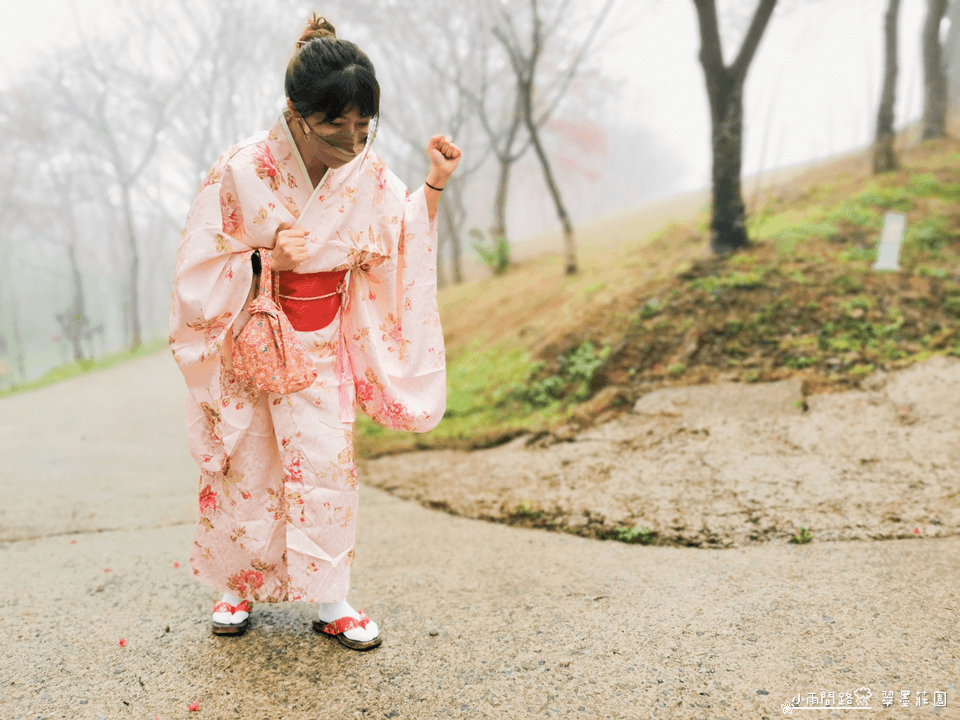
pixel 355 253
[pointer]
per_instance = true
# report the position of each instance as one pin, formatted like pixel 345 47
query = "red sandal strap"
pixel 341 625
pixel 224 606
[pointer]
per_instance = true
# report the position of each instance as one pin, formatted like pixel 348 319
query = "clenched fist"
pixel 291 248
pixel 444 158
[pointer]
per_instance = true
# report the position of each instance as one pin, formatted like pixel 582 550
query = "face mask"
pixel 343 140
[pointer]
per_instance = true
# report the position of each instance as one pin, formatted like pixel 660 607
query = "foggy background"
pixel 112 111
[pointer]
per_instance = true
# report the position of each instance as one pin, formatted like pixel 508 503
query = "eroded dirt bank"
pixel 723 465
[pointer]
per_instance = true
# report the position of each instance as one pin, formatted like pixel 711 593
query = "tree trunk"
pixel 78 324
pixel 499 228
pixel 728 224
pixel 569 243
pixel 934 73
pixel 725 92
pixel 75 322
pixel 133 296
pixel 884 157
pixel 951 48
pixel 506 160
pixel 17 336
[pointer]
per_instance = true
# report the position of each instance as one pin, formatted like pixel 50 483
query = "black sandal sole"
pixel 230 628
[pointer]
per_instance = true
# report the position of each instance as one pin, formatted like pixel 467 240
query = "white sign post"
pixel 888 251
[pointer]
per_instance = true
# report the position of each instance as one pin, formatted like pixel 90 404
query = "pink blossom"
pixel 232 220
pixel 364 391
pixel 245 579
pixel 208 499
pixel 266 166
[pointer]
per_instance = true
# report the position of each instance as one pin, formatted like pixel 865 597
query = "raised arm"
pixel 444 158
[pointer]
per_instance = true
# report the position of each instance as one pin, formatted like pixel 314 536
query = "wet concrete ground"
pixel 479 619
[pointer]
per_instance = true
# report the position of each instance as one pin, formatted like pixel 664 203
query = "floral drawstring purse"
pixel 268 354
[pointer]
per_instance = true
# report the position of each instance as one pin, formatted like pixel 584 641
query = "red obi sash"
pixel 310 300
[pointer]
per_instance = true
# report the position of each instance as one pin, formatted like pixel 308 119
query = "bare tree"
pixel 525 58
pixel 105 99
pixel 435 66
pixel 725 92
pixel 76 326
pixel 419 100
pixel 934 73
pixel 884 157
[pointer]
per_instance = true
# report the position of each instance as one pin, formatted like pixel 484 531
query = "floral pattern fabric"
pixel 278 489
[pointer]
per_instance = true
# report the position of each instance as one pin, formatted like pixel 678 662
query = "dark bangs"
pixel 327 75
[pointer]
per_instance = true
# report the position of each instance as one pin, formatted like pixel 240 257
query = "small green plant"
pixel 801 536
pixel 857 303
pixel 894 198
pixel 525 509
pixel 856 213
pixel 650 308
pixel 799 363
pixel 861 371
pixel 952 305
pixel 798 277
pixel 678 369
pixel 927 185
pixel 843 343
pixel 576 371
pixel 849 284
pixel 638 535
pixel 928 235
pixel 858 254
pixel 924 185
pixel 497 257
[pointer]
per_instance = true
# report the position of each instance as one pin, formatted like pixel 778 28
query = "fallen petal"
pixel 123 642
pixel 194 706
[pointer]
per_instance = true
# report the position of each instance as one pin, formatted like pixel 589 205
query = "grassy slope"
pixel 649 310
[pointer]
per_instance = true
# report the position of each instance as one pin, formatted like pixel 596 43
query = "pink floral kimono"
pixel 278 485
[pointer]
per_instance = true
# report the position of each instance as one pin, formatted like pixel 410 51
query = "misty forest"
pixel 107 138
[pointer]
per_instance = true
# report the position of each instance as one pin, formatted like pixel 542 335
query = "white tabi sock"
pixel 232 618
pixel 328 612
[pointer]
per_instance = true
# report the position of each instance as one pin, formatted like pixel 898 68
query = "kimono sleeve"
pixel 211 283
pixel 392 324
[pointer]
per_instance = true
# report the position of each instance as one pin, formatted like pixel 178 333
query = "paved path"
pixel 479 620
